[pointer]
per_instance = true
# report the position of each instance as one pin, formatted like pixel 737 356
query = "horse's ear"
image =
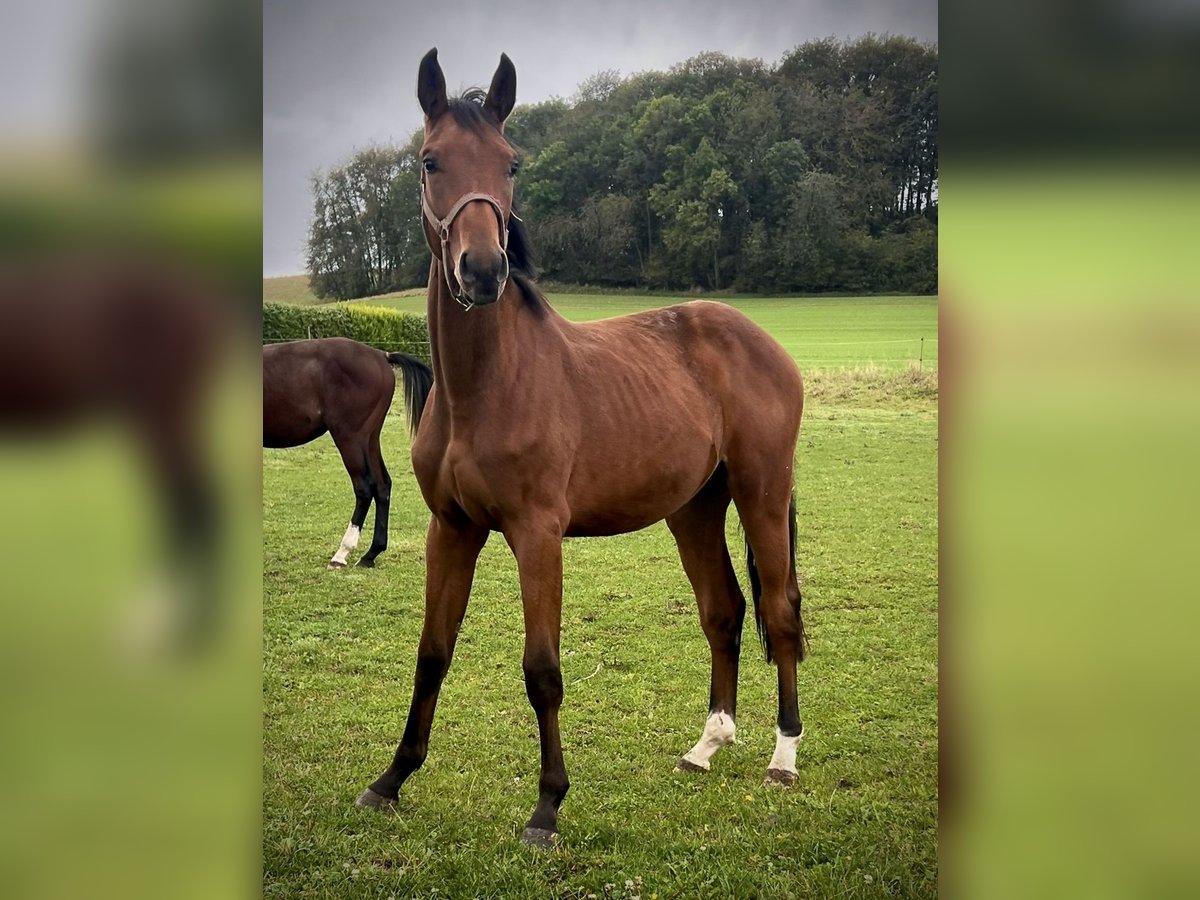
pixel 431 86
pixel 502 95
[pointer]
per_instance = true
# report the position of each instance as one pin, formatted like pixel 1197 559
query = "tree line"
pixel 817 174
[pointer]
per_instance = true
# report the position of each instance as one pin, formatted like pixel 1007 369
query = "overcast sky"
pixel 341 75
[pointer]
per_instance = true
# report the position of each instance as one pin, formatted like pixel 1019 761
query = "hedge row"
pixel 386 329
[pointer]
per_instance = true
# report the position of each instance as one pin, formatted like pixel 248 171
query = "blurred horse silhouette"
pixel 343 387
pixel 126 339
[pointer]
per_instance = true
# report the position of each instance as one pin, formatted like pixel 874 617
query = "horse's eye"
pixel 430 165
pixel 513 168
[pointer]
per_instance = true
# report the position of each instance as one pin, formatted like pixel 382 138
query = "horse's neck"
pixel 474 351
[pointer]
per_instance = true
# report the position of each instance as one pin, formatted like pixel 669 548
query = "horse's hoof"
pixel 365 563
pixel 542 838
pixel 686 765
pixel 334 564
pixel 780 778
pixel 368 799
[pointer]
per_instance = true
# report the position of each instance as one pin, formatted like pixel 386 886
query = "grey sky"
pixel 341 75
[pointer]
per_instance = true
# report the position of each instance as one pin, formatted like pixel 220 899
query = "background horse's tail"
pixel 418 381
pixel 793 584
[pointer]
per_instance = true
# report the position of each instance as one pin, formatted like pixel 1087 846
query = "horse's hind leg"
pixel 765 508
pixel 185 482
pixel 699 530
pixel 354 457
pixel 381 483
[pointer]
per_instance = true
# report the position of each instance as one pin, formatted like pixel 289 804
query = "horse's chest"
pixel 480 484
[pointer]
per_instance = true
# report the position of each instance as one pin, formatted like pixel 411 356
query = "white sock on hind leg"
pixel 785 751
pixel 349 542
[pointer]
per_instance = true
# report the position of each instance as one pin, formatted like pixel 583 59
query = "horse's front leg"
pixel 539 562
pixel 450 556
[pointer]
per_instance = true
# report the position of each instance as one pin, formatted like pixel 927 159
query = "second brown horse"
pixel 343 387
pixel 540 428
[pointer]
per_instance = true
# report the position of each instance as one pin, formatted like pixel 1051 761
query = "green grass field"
pixel 294 289
pixel 820 332
pixel 339 651
pixel 288 289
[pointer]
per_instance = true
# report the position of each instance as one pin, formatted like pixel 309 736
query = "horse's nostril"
pixel 481 267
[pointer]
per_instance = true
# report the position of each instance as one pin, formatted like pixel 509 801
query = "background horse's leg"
pixel 184 481
pixel 699 530
pixel 766 516
pixel 450 556
pixel 381 482
pixel 354 457
pixel 539 563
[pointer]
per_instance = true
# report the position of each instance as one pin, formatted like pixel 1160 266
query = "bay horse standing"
pixel 343 387
pixel 540 428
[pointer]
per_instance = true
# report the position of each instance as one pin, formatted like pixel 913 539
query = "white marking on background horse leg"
pixel 718 731
pixel 153 621
pixel 349 542
pixel 784 759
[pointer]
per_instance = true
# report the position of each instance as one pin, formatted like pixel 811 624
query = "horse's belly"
pixel 634 493
pixel 282 432
pixel 610 522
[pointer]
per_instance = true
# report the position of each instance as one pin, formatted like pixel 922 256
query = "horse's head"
pixel 467 182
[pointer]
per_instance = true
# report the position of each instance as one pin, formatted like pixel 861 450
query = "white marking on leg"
pixel 349 542
pixel 785 751
pixel 718 731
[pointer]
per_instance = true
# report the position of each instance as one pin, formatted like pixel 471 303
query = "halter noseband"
pixel 442 227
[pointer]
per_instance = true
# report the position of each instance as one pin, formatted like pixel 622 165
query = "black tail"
pixel 756 589
pixel 418 382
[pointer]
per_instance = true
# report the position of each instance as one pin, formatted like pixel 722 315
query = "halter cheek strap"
pixel 442 227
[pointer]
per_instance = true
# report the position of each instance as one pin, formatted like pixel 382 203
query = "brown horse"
pixel 343 387
pixel 122 337
pixel 540 428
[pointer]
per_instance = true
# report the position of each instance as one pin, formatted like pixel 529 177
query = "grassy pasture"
pixel 820 332
pixel 288 289
pixel 339 651
pixel 295 289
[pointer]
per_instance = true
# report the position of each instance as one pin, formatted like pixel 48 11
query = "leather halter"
pixel 442 227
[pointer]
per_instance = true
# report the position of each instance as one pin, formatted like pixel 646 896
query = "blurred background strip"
pixel 130 250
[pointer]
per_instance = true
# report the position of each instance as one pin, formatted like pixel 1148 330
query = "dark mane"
pixel 521 265
pixel 469 112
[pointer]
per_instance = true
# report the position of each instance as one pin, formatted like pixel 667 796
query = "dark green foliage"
pixel 382 328
pixel 365 236
pixel 818 174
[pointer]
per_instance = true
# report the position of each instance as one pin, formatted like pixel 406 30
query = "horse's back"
pixel 311 386
pixel 80 335
pixel 734 363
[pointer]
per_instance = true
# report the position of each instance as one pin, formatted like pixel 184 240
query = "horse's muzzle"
pixel 483 275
